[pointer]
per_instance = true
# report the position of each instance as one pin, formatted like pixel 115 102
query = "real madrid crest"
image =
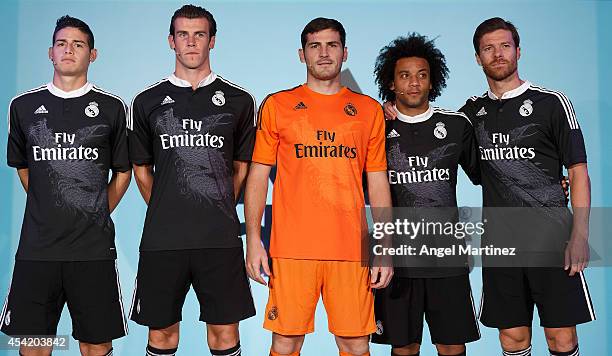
pixel 350 109
pixel 440 130
pixel 92 109
pixel 273 313
pixel 219 98
pixel 526 109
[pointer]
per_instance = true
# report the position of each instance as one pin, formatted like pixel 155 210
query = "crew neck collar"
pixel 185 84
pixel 414 119
pixel 69 94
pixel 511 93
pixel 310 91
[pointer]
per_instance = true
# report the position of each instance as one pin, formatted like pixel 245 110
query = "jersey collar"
pixel 414 119
pixel 185 84
pixel 69 94
pixel 512 93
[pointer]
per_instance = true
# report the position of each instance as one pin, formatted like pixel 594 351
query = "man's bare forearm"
pixel 255 200
pixel 117 187
pixel 144 180
pixel 24 177
pixel 380 201
pixel 379 194
pixel 580 197
pixel 241 169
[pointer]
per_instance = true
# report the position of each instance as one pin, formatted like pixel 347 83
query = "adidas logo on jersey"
pixel 393 134
pixel 300 106
pixel 481 112
pixel 167 100
pixel 41 110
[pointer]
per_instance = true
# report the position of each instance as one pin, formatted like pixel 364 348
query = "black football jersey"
pixel 68 141
pixel 423 156
pixel 525 138
pixel 191 137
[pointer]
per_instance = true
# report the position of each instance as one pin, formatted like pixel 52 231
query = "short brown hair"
pixel 494 24
pixel 320 24
pixel 194 12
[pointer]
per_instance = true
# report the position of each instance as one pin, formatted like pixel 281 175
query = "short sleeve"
pixel 466 108
pixel 120 161
pixel 376 156
pixel 266 137
pixel 566 132
pixel 16 147
pixel 244 135
pixel 140 138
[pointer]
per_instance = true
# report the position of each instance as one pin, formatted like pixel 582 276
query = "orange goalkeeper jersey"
pixel 321 145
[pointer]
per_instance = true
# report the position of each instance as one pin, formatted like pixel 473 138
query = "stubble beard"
pixel 499 75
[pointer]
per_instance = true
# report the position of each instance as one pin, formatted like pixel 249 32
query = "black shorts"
pixel 39 290
pixel 446 303
pixel 218 276
pixel 509 294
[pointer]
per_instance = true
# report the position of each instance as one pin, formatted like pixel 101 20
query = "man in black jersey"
pixel 425 146
pixel 526 135
pixel 191 138
pixel 64 137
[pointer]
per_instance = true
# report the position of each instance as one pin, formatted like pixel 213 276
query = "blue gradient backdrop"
pixel 566 45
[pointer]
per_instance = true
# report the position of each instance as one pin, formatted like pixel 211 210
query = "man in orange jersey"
pixel 321 136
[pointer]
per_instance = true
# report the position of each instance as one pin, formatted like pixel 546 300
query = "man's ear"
pixel 93 55
pixel 171 42
pixel 301 54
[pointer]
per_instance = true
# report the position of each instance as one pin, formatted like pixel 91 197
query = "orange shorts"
pixel 295 288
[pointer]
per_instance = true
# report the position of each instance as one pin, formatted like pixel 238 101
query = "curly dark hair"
pixel 414 45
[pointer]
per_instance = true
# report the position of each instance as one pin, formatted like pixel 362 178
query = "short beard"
pixel 324 75
pixel 499 76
